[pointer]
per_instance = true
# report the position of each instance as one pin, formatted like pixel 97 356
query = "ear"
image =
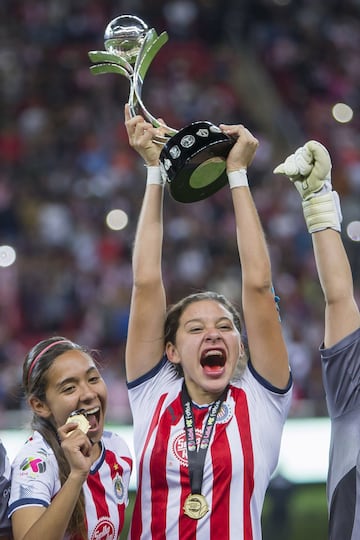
pixel 39 407
pixel 172 353
pixel 241 350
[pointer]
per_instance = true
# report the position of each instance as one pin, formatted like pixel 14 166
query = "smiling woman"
pixel 71 477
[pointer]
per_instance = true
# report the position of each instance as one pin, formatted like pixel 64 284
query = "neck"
pixel 95 451
pixel 201 396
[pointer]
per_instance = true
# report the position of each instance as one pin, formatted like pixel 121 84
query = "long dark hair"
pixel 35 369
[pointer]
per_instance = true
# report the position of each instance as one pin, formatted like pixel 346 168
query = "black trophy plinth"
pixel 193 161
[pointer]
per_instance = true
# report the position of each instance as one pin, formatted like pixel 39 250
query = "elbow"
pixel 258 281
pixel 147 281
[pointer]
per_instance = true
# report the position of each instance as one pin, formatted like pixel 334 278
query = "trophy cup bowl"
pixel 124 36
pixel 192 159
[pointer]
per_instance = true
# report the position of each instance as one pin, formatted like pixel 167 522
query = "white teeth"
pixel 213 353
pixel 92 411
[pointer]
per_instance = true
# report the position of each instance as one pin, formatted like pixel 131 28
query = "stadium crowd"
pixel 65 163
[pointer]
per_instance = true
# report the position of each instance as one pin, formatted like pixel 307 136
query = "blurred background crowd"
pixel 277 66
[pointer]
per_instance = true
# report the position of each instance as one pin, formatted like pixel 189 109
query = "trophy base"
pixel 194 161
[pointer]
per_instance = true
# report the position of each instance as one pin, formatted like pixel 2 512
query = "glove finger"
pixel 307 153
pixel 321 157
pixel 316 146
pixel 279 169
pixel 291 168
pixel 304 161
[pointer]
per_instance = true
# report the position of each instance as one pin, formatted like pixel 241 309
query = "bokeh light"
pixel 342 113
pixel 117 219
pixel 353 231
pixel 7 256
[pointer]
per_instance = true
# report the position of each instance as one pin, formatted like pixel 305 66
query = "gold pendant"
pixel 195 506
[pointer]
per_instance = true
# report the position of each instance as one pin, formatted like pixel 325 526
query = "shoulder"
pixel 35 449
pixel 346 346
pixel 260 396
pixel 4 460
pixel 161 371
pixel 251 380
pixel 163 379
pixel 115 442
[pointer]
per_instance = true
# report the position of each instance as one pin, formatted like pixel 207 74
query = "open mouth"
pixel 92 415
pixel 213 360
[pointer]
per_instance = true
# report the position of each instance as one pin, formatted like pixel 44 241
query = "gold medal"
pixel 195 506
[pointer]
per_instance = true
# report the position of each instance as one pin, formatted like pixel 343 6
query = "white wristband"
pixel 154 175
pixel 238 178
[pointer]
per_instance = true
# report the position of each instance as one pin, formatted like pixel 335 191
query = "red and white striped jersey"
pixel 242 455
pixel 35 482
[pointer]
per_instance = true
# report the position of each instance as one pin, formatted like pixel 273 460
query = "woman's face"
pixel 74 382
pixel 208 347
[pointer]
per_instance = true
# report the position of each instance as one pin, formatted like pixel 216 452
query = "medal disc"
pixel 195 506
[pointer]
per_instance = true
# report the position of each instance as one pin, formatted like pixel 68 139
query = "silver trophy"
pixel 193 159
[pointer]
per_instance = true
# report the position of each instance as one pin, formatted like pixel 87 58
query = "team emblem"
pixel 225 413
pixel 167 164
pixel 215 129
pixel 175 152
pixel 187 141
pixel 202 133
pixel 119 488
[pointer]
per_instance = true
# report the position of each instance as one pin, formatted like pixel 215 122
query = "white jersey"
pixel 35 482
pixel 241 457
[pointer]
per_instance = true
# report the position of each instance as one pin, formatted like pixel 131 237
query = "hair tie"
pixel 41 353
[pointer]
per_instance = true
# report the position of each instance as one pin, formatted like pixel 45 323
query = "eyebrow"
pixel 74 379
pixel 201 320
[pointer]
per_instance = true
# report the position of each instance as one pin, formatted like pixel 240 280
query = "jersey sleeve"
pixel 34 477
pixel 150 386
pixel 341 375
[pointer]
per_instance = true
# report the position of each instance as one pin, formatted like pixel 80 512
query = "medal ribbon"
pixel 196 455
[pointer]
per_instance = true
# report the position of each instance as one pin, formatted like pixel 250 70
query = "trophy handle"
pixel 105 56
pixel 100 69
pixel 110 62
pixel 150 47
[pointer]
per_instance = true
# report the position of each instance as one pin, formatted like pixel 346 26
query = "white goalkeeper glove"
pixel 309 169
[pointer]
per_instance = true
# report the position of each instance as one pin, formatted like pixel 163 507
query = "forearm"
pixel 341 311
pixel 53 522
pixel 333 266
pixel 149 237
pixel 253 251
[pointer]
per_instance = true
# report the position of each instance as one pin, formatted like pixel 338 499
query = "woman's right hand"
pixel 141 136
pixel 77 448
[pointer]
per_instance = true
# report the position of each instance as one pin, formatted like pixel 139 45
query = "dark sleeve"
pixel 341 375
pixel 5 524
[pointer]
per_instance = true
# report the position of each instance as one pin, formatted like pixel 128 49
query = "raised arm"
pixel 145 341
pixel 266 344
pixel 309 168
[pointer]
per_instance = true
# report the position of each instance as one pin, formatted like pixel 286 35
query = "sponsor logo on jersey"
pixel 104 530
pixel 178 446
pixel 33 465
